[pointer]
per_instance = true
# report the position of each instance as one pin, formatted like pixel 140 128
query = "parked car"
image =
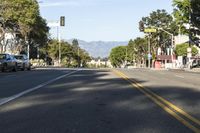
pixel 7 62
pixel 196 64
pixel 23 62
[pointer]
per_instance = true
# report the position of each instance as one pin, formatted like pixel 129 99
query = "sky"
pixel 100 20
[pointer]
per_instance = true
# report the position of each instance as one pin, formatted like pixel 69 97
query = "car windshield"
pixel 19 57
pixel 2 56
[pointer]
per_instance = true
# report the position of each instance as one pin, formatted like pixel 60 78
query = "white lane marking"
pixel 8 76
pixel 6 100
pixel 179 76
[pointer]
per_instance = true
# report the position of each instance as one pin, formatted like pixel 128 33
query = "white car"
pixel 8 62
pixel 23 62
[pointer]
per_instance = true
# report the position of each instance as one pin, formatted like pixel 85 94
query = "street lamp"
pixel 189 50
pixel 172 42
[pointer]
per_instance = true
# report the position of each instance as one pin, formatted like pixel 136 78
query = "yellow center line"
pixel 164 104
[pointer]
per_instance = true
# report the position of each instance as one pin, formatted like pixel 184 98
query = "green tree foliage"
pixel 23 12
pixel 23 17
pixel 195 13
pixel 76 51
pixel 137 50
pixel 187 12
pixel 39 32
pixel 181 11
pixel 160 19
pixel 118 56
pixel 75 43
pixel 181 50
pixel 70 58
pixel 84 57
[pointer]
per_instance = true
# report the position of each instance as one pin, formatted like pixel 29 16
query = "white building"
pixel 8 44
pixel 100 63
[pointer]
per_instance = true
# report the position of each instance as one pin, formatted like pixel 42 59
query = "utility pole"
pixel 28 47
pixel 172 43
pixel 59 49
pixel 126 57
pixel 38 54
pixel 78 57
pixel 190 34
pixel 62 24
pixel 149 51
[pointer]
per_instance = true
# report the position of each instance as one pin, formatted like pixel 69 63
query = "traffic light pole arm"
pixel 168 34
pixel 166 31
pixel 172 41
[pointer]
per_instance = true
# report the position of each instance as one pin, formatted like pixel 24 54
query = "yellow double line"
pixel 182 116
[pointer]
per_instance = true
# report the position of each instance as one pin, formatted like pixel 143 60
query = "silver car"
pixel 7 62
pixel 23 62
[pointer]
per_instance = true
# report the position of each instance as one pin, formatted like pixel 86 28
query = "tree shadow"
pixel 90 101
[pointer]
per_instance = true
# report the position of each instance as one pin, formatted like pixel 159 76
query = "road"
pixel 96 101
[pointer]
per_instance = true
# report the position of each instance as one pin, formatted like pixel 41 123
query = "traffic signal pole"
pixel 62 24
pixel 149 51
pixel 59 41
pixel 172 43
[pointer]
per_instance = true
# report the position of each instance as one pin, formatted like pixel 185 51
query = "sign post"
pixel 62 24
pixel 150 30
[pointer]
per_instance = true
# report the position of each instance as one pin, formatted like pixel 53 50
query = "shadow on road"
pixel 94 102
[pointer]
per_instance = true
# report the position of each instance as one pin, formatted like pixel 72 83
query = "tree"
pixel 181 50
pixel 195 21
pixel 38 36
pixel 84 57
pixel 75 43
pixel 24 18
pixel 69 55
pixel 186 13
pixel 31 26
pixel 181 13
pixel 81 56
pixel 160 19
pixel 118 56
pixel 138 50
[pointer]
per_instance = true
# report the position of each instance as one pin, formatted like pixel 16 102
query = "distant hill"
pixel 99 48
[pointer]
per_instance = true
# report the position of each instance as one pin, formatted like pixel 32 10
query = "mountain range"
pixel 99 48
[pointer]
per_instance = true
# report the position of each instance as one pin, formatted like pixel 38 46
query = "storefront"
pixel 164 61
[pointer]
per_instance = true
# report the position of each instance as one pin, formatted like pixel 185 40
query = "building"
pixel 168 59
pixel 98 63
pixel 9 44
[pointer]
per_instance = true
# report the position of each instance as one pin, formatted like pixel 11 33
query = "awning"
pixel 165 57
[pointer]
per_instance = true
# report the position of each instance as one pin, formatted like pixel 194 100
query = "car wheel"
pixel 23 68
pixel 15 68
pixel 29 68
pixel 4 68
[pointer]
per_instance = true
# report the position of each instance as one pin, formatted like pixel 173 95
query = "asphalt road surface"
pixel 98 101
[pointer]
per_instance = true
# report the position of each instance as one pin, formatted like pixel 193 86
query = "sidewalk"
pixel 196 70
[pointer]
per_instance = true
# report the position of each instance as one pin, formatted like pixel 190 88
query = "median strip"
pixel 170 108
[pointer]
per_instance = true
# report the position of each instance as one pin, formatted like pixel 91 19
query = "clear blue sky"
pixel 106 20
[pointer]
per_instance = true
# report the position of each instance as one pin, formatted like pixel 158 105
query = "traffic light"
pixel 173 42
pixel 62 21
pixel 141 26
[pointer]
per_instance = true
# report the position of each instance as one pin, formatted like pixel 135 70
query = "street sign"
pixel 150 30
pixel 149 56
